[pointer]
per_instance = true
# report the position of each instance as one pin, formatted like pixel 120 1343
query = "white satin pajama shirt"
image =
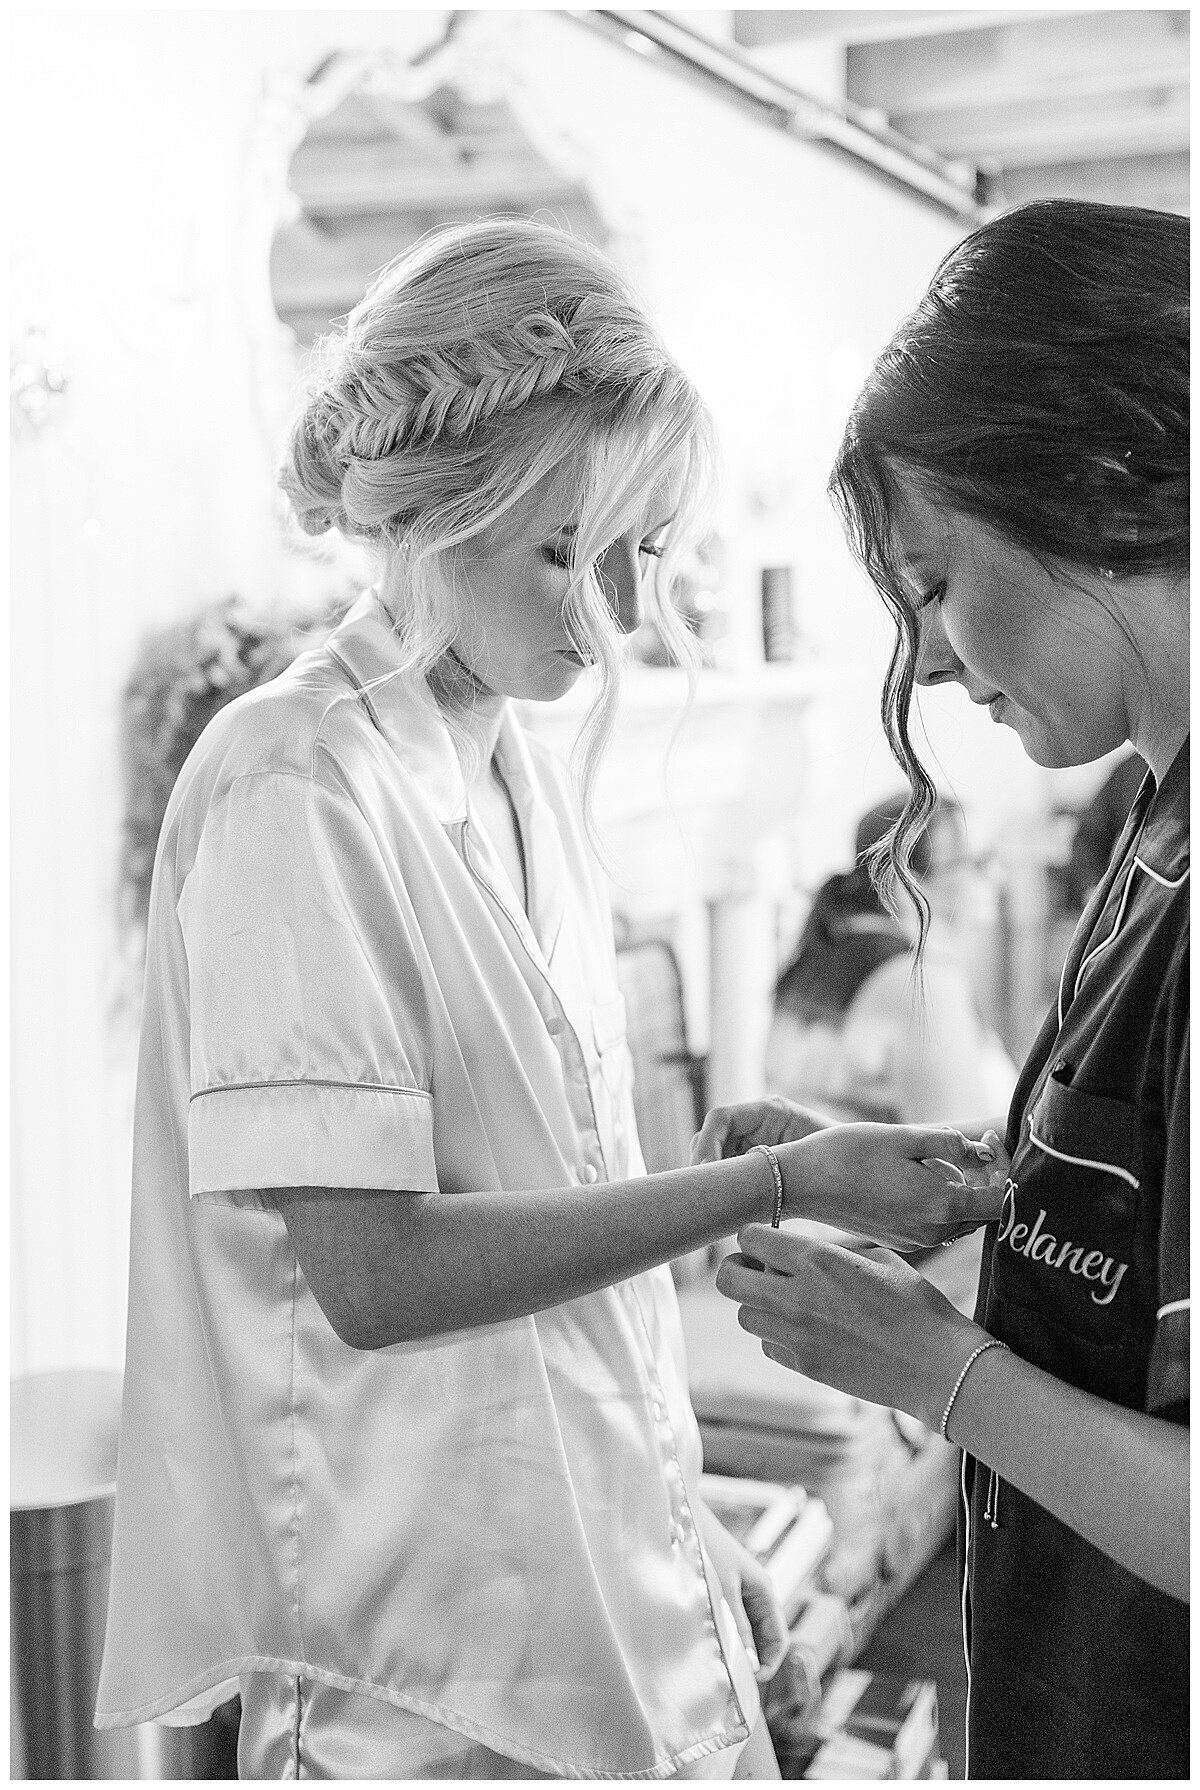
pixel 493 1531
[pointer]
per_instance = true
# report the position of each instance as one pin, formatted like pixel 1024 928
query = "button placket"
pixel 558 1025
pixel 575 1083
pixel 682 1524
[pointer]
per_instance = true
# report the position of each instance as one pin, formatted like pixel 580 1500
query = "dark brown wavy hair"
pixel 1040 387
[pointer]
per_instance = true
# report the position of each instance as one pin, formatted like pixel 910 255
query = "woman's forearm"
pixel 1080 1457
pixel 397 1267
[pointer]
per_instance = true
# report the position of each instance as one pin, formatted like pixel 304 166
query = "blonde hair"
pixel 492 359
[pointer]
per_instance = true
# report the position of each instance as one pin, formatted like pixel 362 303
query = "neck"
pixel 1159 703
pixel 477 707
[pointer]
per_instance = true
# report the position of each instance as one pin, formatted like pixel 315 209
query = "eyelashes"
pixel 560 557
pixel 934 594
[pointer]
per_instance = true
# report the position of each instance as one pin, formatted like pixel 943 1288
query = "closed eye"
pixel 560 554
pixel 934 594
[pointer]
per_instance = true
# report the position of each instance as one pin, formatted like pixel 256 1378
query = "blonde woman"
pixel 407 1455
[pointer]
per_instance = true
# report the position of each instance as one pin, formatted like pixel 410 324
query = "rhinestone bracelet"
pixel 777 1173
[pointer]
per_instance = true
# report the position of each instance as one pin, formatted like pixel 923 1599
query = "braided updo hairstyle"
pixel 493 358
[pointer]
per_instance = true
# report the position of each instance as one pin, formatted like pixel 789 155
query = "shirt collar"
pixel 404 709
pixel 1164 846
pixel 365 646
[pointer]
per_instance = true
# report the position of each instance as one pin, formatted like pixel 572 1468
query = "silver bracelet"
pixel 777 1173
pixel 993 1342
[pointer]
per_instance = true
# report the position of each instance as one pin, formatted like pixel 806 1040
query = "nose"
pixel 620 571
pixel 937 661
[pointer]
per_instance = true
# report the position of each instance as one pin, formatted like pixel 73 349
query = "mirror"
pixel 398 149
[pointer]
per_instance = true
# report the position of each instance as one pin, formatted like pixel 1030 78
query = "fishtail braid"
pixel 447 393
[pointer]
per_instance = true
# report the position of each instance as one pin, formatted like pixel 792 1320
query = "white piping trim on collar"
pixel 1096 949
pixel 1089 959
pixel 1175 1305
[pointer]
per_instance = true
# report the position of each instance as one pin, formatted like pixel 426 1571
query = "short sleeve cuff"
pixel 310 1134
pixel 1170 1377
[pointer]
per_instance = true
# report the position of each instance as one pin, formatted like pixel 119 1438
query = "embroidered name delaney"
pixel 1040 1245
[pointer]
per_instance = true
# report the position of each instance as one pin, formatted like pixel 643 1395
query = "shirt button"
pixel 590 1172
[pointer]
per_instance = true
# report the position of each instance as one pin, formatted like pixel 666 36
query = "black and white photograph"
pixel 599 813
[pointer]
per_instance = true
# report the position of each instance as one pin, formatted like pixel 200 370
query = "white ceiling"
pixel 1084 104
pixel 1087 104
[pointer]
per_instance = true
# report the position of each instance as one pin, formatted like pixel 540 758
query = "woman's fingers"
pixel 769 1632
pixel 858 1319
pixel 740 1276
pixel 942 1143
pixel 732 1130
pixel 762 1246
pixel 708 1145
pixel 971 1175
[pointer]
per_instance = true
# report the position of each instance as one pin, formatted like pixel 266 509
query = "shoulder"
pixel 940 978
pixel 937 1003
pixel 278 726
pixel 303 729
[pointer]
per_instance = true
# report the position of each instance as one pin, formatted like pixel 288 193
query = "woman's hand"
pixel 749 1594
pixel 905 1185
pixel 909 1186
pixel 732 1130
pixel 861 1320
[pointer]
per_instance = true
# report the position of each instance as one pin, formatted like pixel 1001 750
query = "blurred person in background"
pixel 1015 479
pixel 855 1033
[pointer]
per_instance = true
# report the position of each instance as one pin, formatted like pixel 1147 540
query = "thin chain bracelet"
pixel 777 1173
pixel 993 1342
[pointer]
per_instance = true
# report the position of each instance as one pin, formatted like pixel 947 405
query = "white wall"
pixel 141 217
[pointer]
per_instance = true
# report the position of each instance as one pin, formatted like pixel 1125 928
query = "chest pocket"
pixel 1066 1242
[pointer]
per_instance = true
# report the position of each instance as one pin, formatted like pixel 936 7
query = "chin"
pixel 1054 752
pixel 552 684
